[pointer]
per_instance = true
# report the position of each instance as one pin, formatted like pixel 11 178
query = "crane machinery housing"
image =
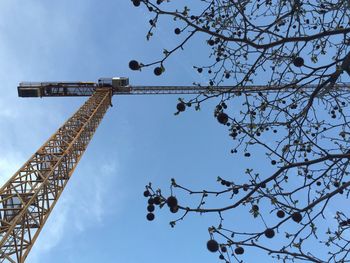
pixel 28 197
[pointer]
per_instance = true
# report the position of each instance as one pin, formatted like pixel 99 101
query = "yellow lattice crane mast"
pixel 28 197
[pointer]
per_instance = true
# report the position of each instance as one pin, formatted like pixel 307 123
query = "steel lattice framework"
pixel 28 197
pixel 83 89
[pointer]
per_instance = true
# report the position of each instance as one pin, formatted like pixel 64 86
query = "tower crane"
pixel 28 197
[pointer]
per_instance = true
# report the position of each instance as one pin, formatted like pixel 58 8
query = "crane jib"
pixel 120 86
pixel 70 90
pixel 79 89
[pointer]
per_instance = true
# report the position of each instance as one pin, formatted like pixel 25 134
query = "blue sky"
pixel 100 217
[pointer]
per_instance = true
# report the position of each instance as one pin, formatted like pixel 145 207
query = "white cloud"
pixel 44 40
pixel 53 234
pixel 94 202
pixel 85 206
pixel 9 164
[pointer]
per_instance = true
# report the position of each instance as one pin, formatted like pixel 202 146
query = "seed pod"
pixel 298 62
pixel 212 245
pixel 150 216
pixel 222 118
pixel 269 233
pixel 171 201
pixel 181 106
pixel 239 250
pixel 134 65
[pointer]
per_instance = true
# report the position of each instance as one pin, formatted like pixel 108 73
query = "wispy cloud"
pixel 53 234
pixel 9 163
pixel 92 194
pixel 84 206
pixel 48 41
